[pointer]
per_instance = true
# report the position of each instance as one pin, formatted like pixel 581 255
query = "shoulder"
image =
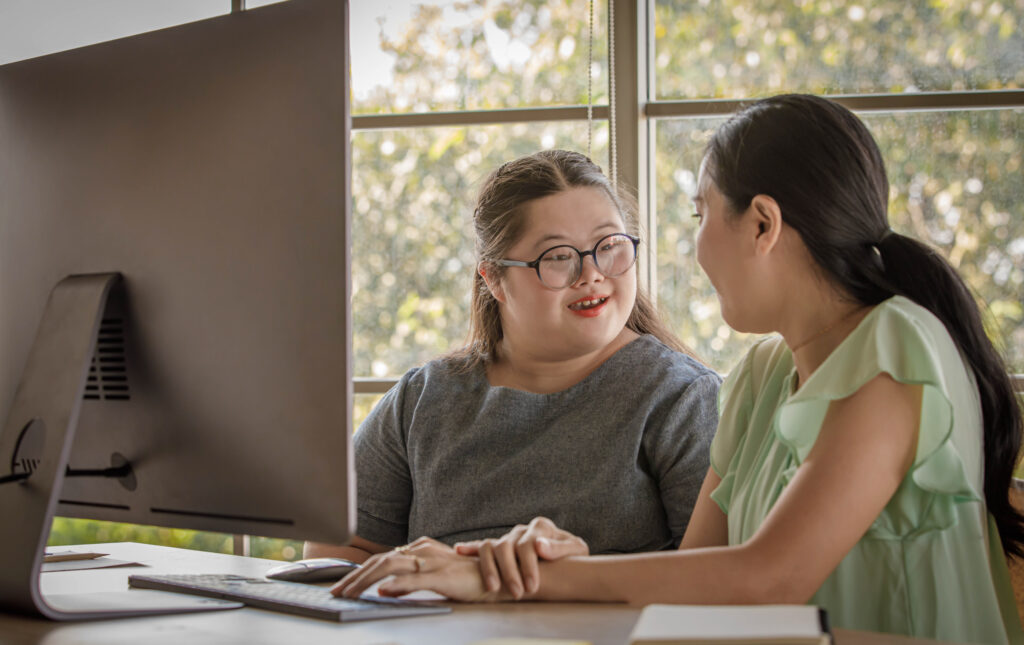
pixel 677 393
pixel 434 386
pixel 899 337
pixel 767 360
pixel 654 362
pixel 749 398
pixel 440 378
pixel 901 317
pixel 755 382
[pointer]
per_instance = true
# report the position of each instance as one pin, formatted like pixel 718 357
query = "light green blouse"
pixel 931 564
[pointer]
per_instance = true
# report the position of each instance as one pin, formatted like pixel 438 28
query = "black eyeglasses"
pixel 561 266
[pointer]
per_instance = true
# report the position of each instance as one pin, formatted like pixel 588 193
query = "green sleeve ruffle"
pixel 898 344
pixel 736 401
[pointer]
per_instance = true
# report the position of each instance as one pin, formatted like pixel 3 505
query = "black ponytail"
pixel 822 166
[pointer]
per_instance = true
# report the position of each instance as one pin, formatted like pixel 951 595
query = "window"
pixel 737 49
pixel 444 91
pixel 938 84
pixel 444 55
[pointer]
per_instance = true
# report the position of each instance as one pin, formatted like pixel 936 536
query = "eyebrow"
pixel 539 244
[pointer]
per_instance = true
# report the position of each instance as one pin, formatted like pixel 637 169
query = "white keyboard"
pixel 289 597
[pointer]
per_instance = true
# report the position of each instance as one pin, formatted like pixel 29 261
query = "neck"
pixel 517 367
pixel 813 334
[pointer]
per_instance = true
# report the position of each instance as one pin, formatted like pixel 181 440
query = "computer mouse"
pixel 313 570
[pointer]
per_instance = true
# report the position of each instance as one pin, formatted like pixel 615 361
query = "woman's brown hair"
pixel 498 221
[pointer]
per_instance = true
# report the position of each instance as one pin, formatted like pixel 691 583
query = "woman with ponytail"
pixel 864 453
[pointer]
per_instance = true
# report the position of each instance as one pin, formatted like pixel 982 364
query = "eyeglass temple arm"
pixel 514 263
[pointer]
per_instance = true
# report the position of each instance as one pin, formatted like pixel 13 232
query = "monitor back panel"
pixel 208 164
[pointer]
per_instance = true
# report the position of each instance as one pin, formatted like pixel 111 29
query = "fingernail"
pixel 531 584
pixel 517 591
pixel 492 583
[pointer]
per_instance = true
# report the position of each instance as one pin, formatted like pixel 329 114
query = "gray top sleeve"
pixel 384 481
pixel 678 449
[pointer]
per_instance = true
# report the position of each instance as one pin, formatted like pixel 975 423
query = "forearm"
pixel 715 575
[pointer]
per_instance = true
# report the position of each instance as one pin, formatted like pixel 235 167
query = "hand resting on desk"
pixel 516 554
pixel 425 564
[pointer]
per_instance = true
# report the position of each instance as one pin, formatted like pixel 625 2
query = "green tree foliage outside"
pixel 955 176
pixel 736 49
pixel 958 198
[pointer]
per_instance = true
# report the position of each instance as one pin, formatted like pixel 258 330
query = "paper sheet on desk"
pixel 60 556
pixel 95 563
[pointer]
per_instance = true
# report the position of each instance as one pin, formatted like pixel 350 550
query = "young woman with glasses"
pixel 571 400
pixel 864 455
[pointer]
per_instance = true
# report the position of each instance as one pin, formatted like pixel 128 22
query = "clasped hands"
pixel 491 570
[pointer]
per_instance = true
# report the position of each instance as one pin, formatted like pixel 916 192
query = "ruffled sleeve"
pixel 732 397
pixel 905 341
pixel 737 398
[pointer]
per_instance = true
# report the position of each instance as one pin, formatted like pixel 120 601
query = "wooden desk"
pixel 600 624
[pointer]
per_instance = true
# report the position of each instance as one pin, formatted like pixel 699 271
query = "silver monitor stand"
pixel 38 435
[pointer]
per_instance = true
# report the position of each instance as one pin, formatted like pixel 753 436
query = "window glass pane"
pixel 733 49
pixel 362 406
pixel 275 549
pixel 30 28
pixel 955 183
pixel 413 260
pixel 418 56
pixel 67 530
pixel 684 293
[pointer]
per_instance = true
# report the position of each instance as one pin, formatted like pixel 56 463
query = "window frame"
pixel 636 114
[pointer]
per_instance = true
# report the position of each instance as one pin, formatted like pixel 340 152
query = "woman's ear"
pixel 493 284
pixel 768 218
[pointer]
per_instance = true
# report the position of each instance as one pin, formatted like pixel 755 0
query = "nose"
pixel 588 270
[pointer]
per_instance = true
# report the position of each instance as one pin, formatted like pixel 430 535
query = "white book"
pixel 731 625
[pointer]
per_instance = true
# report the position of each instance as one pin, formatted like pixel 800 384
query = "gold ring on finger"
pixel 402 549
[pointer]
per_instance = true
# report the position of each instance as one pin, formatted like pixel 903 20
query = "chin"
pixel 598 339
pixel 742 325
pixel 733 318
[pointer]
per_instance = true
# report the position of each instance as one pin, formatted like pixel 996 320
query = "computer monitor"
pixel 184 197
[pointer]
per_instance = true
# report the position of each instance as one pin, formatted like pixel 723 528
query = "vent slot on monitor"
pixel 108 373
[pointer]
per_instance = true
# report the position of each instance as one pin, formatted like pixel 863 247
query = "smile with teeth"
pixel 587 304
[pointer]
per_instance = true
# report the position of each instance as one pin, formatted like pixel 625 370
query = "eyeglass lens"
pixel 561 266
